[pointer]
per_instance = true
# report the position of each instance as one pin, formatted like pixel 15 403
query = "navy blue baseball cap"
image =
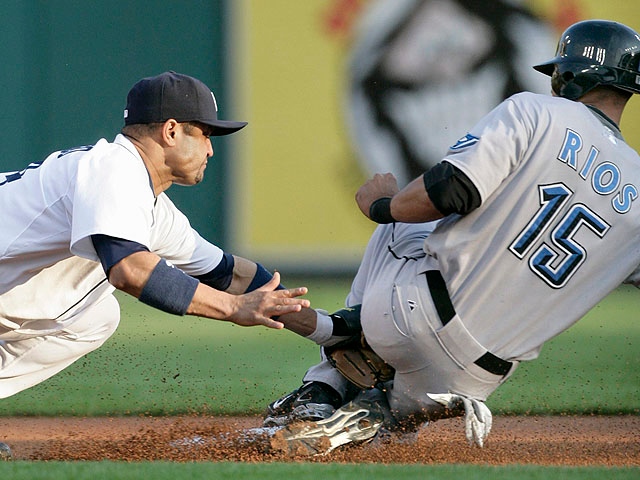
pixel 174 95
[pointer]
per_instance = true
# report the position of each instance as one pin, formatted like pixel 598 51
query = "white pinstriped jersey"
pixel 51 209
pixel 558 227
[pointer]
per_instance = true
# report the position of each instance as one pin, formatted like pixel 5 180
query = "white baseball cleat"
pixel 354 422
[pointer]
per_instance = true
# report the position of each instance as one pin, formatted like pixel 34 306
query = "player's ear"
pixel 168 131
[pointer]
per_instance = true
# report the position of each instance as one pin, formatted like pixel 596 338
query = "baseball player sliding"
pixel 529 221
pixel 90 219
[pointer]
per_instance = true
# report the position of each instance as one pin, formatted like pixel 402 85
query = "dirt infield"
pixel 602 441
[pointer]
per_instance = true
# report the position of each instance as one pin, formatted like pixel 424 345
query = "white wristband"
pixel 324 328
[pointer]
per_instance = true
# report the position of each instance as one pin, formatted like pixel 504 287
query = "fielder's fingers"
pixel 271 323
pixel 272 284
pixel 289 298
pixel 283 309
pixel 295 292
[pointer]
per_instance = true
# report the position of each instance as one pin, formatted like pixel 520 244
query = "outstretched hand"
pixel 257 307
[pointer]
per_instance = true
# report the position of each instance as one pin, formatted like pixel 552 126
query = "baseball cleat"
pixel 354 422
pixel 5 452
pixel 311 402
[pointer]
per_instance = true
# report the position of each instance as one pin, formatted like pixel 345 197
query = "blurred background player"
pixel 421 71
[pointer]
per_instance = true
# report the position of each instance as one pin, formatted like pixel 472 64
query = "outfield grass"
pixel 162 365
pixel 159 364
pixel 278 471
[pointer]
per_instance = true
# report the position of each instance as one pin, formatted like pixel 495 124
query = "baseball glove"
pixel 358 363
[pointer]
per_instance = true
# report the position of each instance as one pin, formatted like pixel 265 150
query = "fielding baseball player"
pixel 540 217
pixel 90 219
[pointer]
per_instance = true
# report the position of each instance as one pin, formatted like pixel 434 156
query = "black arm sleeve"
pixel 450 189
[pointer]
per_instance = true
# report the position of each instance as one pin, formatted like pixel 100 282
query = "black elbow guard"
pixel 450 189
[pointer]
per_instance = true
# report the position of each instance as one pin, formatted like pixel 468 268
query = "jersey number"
pixel 543 261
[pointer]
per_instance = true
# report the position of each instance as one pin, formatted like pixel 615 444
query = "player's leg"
pixel 27 360
pixel 429 358
pixel 403 328
pixel 324 389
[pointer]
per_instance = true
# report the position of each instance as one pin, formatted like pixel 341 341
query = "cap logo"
pixel 126 113
pixel 215 104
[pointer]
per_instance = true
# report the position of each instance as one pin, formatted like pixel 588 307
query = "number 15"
pixel 541 261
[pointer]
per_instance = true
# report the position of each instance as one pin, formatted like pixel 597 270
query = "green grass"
pixel 594 367
pixel 277 471
pixel 162 365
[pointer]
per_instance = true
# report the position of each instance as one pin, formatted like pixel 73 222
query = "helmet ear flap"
pixel 566 83
pixel 563 85
pixel 572 91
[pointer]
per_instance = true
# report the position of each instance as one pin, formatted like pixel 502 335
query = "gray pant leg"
pixel 325 373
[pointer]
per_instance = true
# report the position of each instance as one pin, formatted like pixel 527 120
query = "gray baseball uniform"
pixel 555 231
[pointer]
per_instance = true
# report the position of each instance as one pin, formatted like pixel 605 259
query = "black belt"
pixel 446 312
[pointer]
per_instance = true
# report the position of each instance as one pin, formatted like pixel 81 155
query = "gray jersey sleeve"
pixel 494 148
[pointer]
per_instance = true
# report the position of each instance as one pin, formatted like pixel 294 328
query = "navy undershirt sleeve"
pixel 261 277
pixel 221 276
pixel 111 250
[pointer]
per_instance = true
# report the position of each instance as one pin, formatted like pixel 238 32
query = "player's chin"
pixel 191 180
pixel 200 175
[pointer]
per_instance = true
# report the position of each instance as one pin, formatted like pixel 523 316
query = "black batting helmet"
pixel 592 53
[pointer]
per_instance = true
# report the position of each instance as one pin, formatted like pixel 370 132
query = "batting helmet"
pixel 592 53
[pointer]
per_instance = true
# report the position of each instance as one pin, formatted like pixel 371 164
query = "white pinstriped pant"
pixel 26 359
